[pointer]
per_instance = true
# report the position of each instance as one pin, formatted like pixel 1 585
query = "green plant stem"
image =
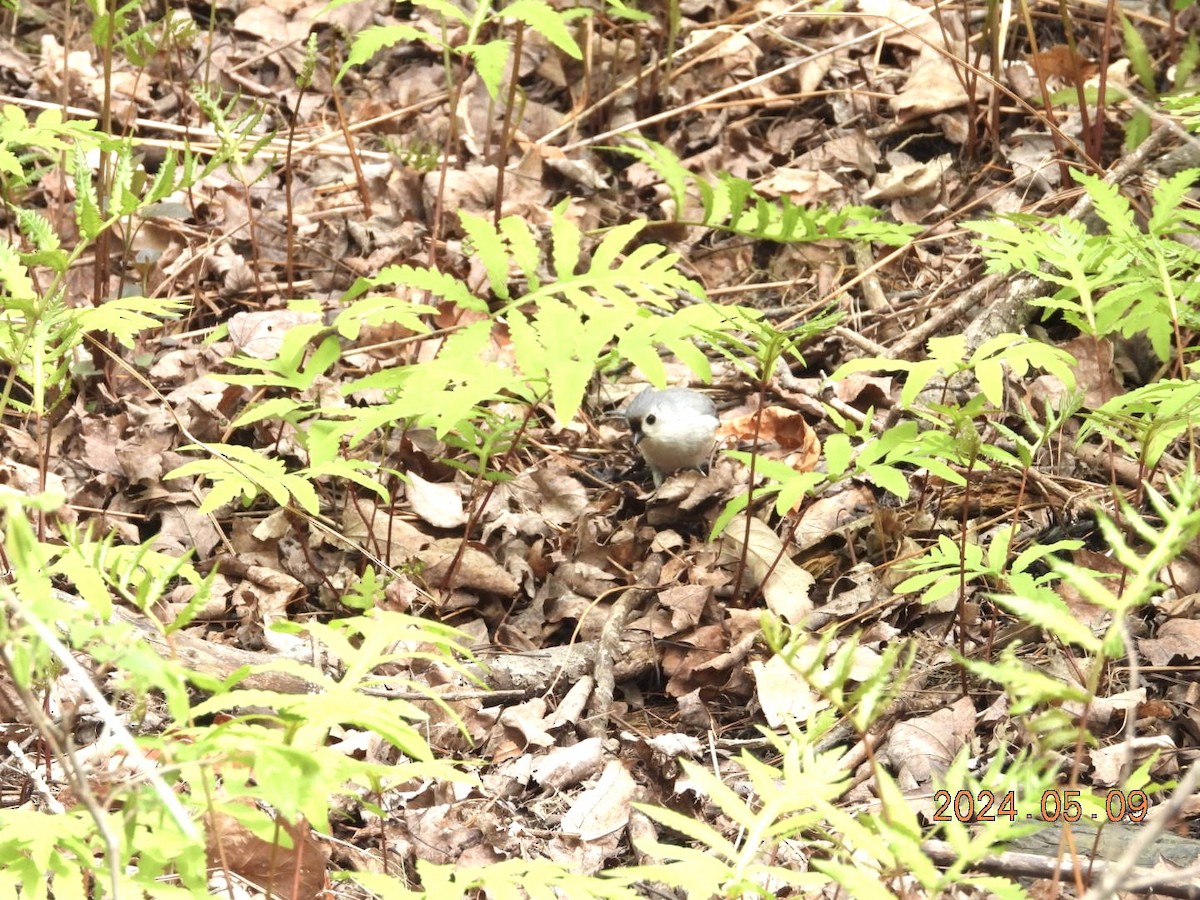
pixel 104 169
pixel 960 612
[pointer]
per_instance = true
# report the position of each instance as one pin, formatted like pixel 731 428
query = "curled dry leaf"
pixel 801 186
pixel 785 586
pixel 834 511
pixel 300 868
pixel 77 66
pixel 909 178
pixel 1060 61
pixel 863 391
pixel 391 535
pixel 1113 764
pixel 1093 371
pixel 603 811
pixel 527 721
pixel 795 440
pixel 438 503
pixel 565 767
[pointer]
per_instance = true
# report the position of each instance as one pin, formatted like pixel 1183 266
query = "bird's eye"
pixel 651 419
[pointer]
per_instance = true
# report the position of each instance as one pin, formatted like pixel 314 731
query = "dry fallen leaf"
pixel 298 870
pixel 785 586
pixel 438 503
pixel 474 568
pixel 785 696
pixel 260 334
pixel 921 749
pixel 1177 639
pixel 566 767
pixel 1113 764
pixel 783 434
pixel 601 812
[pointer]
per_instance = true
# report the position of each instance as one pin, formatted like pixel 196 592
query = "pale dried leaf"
pixel 261 334
pixel 786 698
pixel 1113 764
pixel 921 749
pixel 785 585
pixel 566 767
pixel 438 503
pixel 602 811
pixel 1177 639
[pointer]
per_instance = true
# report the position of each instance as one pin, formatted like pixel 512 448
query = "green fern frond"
pixel 491 247
pixel 371 41
pixel 165 181
pixel 735 205
pixel 565 245
pixel 1127 278
pixel 1186 106
pixel 445 8
pixel 441 392
pixel 1156 416
pixel 1169 209
pixel 523 245
pixel 546 21
pixel 36 339
pixel 491 62
pixel 16 287
pixel 126 317
pixel 87 206
pixel 377 310
pixel 47 248
pixel 237 129
pixel 123 197
pixel 296 366
pixel 243 472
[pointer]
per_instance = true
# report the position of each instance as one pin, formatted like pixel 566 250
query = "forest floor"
pixel 899 107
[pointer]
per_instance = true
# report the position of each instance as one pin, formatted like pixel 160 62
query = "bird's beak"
pixel 635 430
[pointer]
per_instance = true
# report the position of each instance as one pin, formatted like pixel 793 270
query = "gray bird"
pixel 672 429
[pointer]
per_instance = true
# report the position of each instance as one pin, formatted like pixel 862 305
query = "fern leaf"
pixel 376 311
pixel 667 166
pixel 1169 197
pixel 87 207
pixel 735 205
pixel 565 245
pixel 14 278
pixel 491 62
pixel 352 470
pixel 523 246
pixel 241 471
pixel 1111 206
pixel 605 255
pixel 124 199
pixel 371 40
pixel 488 246
pixel 643 354
pixel 546 21
pixel 445 8
pixel 126 317
pixel 164 182
pixel 381 309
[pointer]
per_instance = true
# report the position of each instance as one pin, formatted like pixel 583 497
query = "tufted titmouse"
pixel 672 429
